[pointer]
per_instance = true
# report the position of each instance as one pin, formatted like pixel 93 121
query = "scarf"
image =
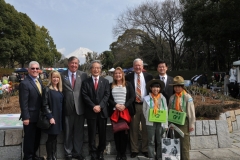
pixel 155 100
pixel 177 103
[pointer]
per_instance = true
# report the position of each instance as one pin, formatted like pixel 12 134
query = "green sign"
pixel 161 116
pixel 176 117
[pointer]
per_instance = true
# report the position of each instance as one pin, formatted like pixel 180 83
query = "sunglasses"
pixel 34 68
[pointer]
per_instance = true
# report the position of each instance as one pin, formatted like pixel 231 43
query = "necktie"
pixel 138 89
pixel 73 80
pixel 96 83
pixel 163 79
pixel 38 86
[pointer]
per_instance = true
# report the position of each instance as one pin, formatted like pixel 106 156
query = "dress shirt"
pixel 70 76
pixel 93 78
pixel 165 79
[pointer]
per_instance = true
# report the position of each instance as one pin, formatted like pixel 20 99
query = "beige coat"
pixel 190 109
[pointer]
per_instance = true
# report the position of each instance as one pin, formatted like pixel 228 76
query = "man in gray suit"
pixel 162 75
pixel 73 109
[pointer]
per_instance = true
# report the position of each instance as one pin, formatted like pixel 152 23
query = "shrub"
pixel 213 111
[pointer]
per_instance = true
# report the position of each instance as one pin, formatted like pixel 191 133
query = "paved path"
pixel 220 154
pixel 205 154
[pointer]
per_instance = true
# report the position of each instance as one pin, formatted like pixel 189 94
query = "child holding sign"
pixel 182 114
pixel 155 112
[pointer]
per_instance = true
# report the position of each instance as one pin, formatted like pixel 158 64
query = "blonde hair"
pixel 123 78
pixel 59 85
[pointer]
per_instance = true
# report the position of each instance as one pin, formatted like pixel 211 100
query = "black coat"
pixel 52 107
pixel 92 97
pixel 30 99
pixel 130 98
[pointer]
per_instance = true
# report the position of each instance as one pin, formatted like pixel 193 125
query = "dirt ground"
pixel 13 106
pixel 10 108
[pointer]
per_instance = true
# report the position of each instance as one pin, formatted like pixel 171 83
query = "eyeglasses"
pixel 96 68
pixel 34 68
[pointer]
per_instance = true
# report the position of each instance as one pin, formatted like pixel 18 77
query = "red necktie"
pixel 73 80
pixel 96 83
pixel 138 90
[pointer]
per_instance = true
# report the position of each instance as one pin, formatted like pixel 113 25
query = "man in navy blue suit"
pixel 30 99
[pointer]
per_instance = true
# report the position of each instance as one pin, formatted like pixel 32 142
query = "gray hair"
pixel 95 61
pixel 70 59
pixel 138 59
pixel 33 62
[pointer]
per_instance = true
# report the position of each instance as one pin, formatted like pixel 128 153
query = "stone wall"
pixel 233 119
pixel 208 134
pixel 11 144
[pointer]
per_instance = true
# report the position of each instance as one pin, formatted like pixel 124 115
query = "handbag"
pixel 120 125
pixel 171 148
pixel 43 121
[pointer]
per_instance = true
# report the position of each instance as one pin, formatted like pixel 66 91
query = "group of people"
pixel 71 97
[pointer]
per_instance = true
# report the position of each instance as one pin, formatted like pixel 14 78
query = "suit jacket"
pixel 130 78
pixel 168 88
pixel 30 99
pixel 129 103
pixel 72 96
pixel 94 97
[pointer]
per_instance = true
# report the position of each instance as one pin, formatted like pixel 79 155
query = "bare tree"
pixel 162 21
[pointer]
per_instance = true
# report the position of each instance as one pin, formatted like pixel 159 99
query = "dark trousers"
pixel 73 134
pixel 51 138
pixel 95 126
pixel 121 140
pixel 31 141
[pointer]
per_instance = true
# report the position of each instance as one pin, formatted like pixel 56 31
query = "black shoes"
pixel 38 158
pixel 118 157
pixel 101 157
pixel 145 154
pixel 121 156
pixel 134 154
pixel 80 157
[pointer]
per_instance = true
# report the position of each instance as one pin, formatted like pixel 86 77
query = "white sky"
pixel 76 23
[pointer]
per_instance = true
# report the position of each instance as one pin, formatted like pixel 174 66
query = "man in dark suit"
pixel 138 117
pixel 95 92
pixel 162 75
pixel 168 90
pixel 73 109
pixel 30 99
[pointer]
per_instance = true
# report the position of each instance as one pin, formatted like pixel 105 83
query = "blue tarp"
pixel 21 70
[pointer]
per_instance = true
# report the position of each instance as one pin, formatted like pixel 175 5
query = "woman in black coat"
pixel 122 97
pixel 52 107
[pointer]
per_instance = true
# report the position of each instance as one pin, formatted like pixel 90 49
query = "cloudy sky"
pixel 76 23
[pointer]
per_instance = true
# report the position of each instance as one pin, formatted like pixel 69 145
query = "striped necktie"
pixel 138 90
